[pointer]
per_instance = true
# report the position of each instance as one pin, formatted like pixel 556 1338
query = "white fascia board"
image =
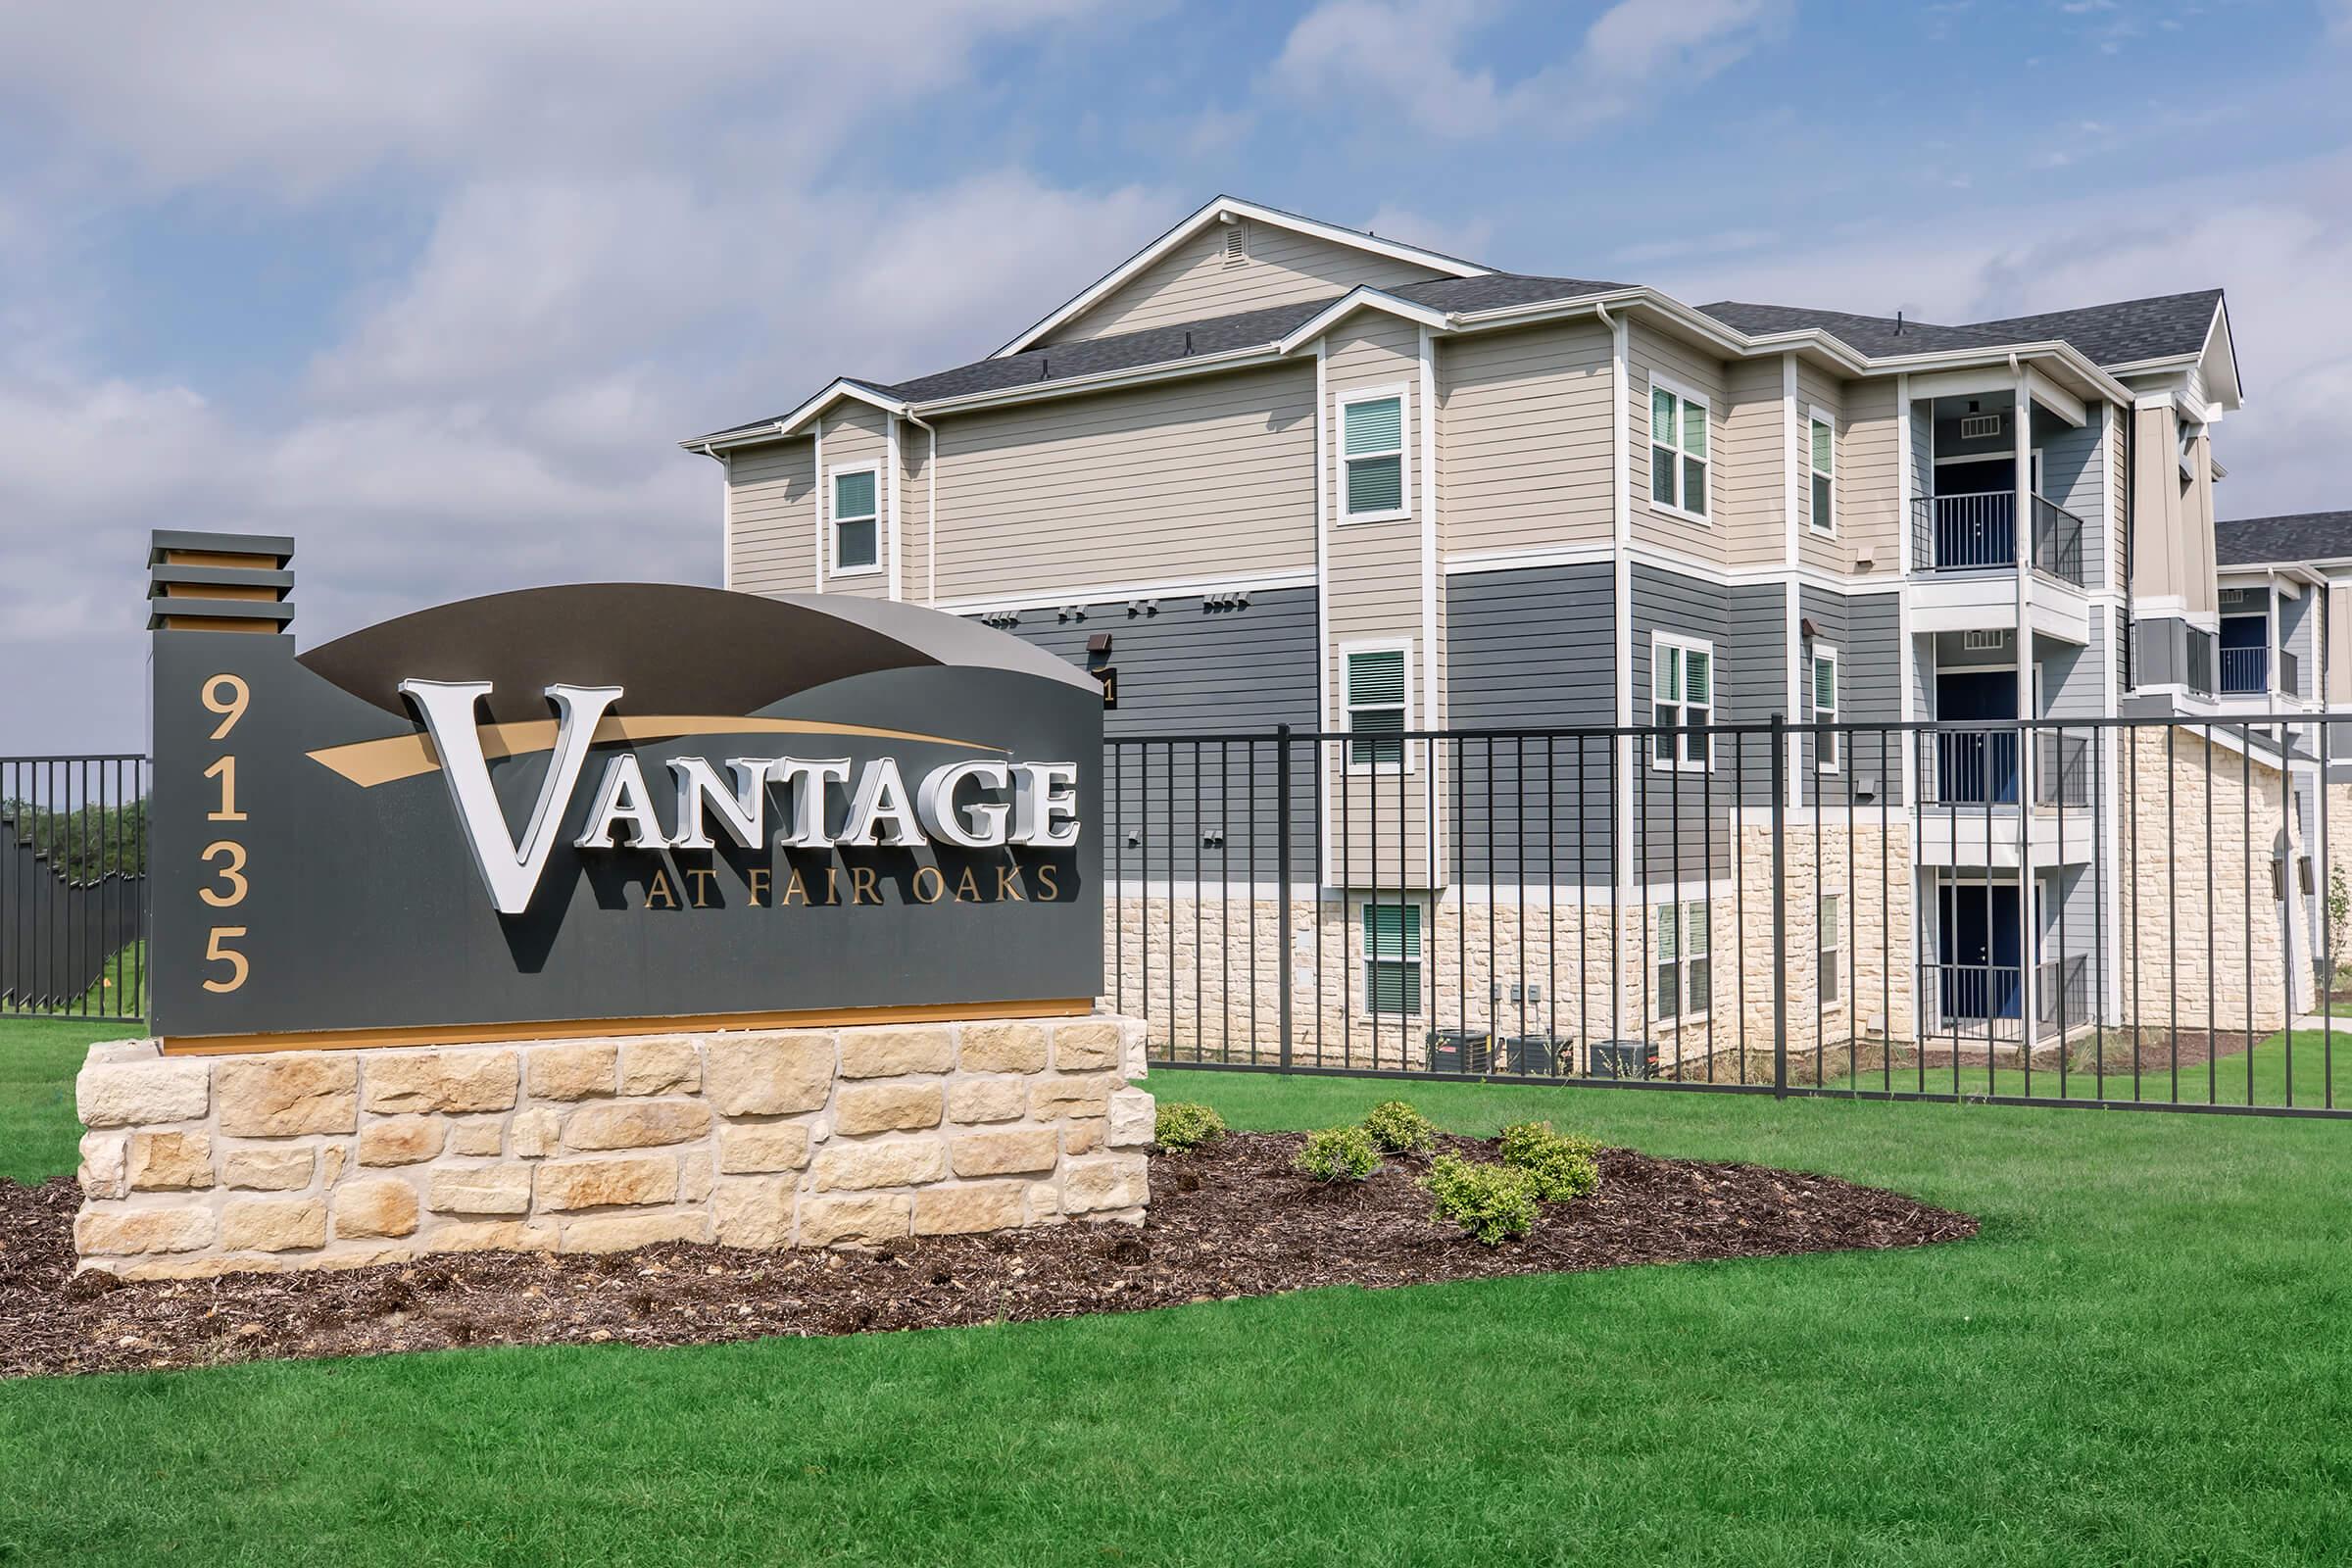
pixel 1361 298
pixel 1218 211
pixel 2057 399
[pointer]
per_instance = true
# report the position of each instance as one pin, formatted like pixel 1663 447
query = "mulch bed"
pixel 1227 1221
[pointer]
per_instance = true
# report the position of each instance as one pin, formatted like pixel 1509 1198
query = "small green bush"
pixel 1493 1203
pixel 1561 1166
pixel 1338 1154
pixel 1183 1124
pixel 1398 1129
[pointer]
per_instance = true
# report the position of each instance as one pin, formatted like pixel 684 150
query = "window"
pixel 1682 678
pixel 1678 450
pixel 1824 472
pixel 1825 708
pixel 1379 692
pixel 1683 982
pixel 857 524
pixel 1833 950
pixel 1372 456
pixel 1393 959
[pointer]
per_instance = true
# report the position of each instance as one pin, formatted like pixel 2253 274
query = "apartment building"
pixel 1271 470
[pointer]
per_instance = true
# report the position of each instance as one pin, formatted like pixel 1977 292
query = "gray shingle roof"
pixel 1876 336
pixel 2298 536
pixel 2123 333
pixel 1496 290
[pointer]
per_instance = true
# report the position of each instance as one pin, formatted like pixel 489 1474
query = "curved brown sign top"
pixel 677 649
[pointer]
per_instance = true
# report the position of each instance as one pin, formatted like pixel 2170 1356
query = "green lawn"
pixel 38 1058
pixel 2321 1062
pixel 2144 1361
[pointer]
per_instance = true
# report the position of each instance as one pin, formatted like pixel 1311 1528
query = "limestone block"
pixel 1119 1181
pixel 479 1190
pixel 273 1224
pixel 965 1207
pixel 888 1107
pixel 1083 1135
pixel 598 1183
pixel 169 1162
pixel 129 1232
pixel 762 1147
pixel 867 1220
pixel 573 1069
pixel 1044 1202
pixel 402 1140
pixel 1132 1118
pixel 768 1074
pixel 617 1233
pixel 537 1132
pixel 1008 1047
pixel 134 1094
pixel 1032 1149
pixel 666 1064
pixel 895 1163
pixel 1091 1046
pixel 636 1124
pixel 755 1212
pixel 381 1206
pixel 268 1170
pixel 102 1172
pixel 288 1095
pixel 695 1176
pixel 490 1236
pixel 987 1100
pixel 1053 1099
pixel 460 1081
pixel 895 1051
pixel 478 1134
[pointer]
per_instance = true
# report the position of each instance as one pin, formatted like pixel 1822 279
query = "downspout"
pixel 2130 538
pixel 930 510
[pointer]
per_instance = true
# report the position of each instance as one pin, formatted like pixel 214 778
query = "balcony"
pixel 1983 1000
pixel 1979 767
pixel 1976 532
pixel 2245 671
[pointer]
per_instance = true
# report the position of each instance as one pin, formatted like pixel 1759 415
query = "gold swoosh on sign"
pixel 368 763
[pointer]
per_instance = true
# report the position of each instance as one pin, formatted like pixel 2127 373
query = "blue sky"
pixel 436 287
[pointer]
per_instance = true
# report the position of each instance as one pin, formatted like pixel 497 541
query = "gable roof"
pixel 1218 210
pixel 2295 538
pixel 2127 332
pixel 1877 336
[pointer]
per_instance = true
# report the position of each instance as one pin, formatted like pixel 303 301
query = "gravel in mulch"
pixel 1227 1221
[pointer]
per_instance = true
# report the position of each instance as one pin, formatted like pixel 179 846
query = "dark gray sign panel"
pixel 729 807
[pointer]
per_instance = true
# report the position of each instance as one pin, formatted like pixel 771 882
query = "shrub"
pixel 1182 1124
pixel 1492 1203
pixel 1398 1129
pixel 1338 1154
pixel 1562 1167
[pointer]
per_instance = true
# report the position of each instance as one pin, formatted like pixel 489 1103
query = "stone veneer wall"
pixel 202 1165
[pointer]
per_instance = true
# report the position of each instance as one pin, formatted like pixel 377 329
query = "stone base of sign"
pixel 196 1166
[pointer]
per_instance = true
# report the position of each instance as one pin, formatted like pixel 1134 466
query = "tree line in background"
pixel 85 842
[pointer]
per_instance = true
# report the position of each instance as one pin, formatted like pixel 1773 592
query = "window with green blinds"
pixel 1825 708
pixel 1678 451
pixel 1392 959
pixel 1376 707
pixel 1681 955
pixel 856 526
pixel 1372 444
pixel 1825 468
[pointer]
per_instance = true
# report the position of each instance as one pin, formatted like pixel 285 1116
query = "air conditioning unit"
pixel 1980 426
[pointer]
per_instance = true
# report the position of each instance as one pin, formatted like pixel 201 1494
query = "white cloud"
pixel 1467 240
pixel 1408 53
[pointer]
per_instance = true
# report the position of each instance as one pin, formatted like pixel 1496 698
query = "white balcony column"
pixel 2022 547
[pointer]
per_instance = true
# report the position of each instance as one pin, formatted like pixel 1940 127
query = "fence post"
pixel 1780 907
pixel 1282 865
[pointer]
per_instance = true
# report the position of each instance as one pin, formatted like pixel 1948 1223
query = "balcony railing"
pixel 1976 532
pixel 2290 673
pixel 1979 767
pixel 2245 670
pixel 1983 999
pixel 2200 662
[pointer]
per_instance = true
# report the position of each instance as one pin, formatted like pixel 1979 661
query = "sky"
pixel 437 287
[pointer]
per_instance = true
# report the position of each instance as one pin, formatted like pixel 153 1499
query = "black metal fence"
pixel 1860 910
pixel 73 885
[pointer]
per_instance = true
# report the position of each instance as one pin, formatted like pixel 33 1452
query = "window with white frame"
pixel 1373 478
pixel 1822 451
pixel 1681 680
pixel 857 520
pixel 1678 449
pixel 1832 951
pixel 1393 959
pixel 1825 708
pixel 1683 982
pixel 1379 696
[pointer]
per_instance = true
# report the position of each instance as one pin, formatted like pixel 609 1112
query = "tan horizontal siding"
pixel 771 501
pixel 1870 519
pixel 1192 282
pixel 1209 477
pixel 1755 465
pixel 1525 444
pixel 1815 390
pixel 854 433
pixel 1651 354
